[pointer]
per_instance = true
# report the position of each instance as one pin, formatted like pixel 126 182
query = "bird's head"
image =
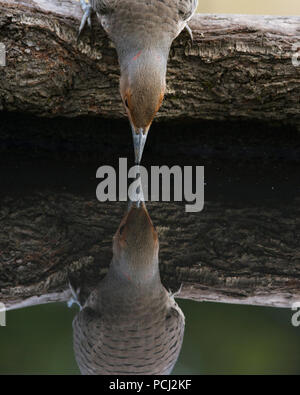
pixel 135 243
pixel 142 87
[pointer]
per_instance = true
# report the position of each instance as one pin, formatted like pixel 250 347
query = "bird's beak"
pixel 139 139
pixel 136 196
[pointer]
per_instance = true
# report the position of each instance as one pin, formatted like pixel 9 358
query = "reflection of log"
pixel 246 255
pixel 239 67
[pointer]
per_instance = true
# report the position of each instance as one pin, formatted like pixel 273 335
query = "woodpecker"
pixel 142 31
pixel 130 324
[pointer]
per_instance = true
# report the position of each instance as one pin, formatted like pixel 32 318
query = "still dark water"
pixel 219 339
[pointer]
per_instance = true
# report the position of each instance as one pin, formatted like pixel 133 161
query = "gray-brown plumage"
pixel 143 31
pixel 130 324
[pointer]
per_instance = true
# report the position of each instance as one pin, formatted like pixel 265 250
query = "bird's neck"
pixel 141 273
pixel 140 57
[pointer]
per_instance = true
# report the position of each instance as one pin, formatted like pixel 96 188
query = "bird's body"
pixel 142 31
pixel 126 331
pixel 137 24
pixel 130 324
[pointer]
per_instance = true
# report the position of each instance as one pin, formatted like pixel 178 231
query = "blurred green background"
pixel 266 7
pixel 219 338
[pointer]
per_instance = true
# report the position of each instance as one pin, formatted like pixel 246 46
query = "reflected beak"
pixel 136 195
pixel 139 139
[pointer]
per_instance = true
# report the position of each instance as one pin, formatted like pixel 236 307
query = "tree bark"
pixel 235 255
pixel 238 67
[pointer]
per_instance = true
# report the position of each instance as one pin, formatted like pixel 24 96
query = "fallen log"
pixel 238 67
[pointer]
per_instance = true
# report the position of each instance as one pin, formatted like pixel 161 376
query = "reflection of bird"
pixel 130 324
pixel 143 31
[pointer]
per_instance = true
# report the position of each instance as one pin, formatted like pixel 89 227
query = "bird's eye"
pixel 126 102
pixel 121 229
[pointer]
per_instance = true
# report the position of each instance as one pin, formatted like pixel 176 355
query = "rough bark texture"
pixel 237 255
pixel 238 67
